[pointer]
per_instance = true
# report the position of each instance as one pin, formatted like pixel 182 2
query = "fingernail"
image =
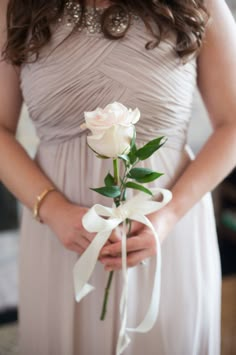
pixel 105 253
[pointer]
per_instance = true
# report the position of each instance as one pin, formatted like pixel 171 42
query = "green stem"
pixel 105 300
pixel 117 202
pixel 116 171
pixel 125 178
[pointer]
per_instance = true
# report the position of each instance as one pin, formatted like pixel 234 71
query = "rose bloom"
pixel 112 129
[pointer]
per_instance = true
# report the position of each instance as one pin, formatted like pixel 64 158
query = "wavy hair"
pixel 188 18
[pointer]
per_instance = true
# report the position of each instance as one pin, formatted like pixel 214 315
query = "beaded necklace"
pixel 116 22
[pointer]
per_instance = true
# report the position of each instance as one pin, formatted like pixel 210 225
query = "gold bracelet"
pixel 39 201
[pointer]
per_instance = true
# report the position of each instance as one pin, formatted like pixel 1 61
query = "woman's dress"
pixel 85 72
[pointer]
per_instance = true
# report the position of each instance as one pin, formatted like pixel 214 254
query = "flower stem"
pixel 107 290
pixel 116 171
pixel 117 202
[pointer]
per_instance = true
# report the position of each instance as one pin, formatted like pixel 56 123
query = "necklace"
pixel 115 23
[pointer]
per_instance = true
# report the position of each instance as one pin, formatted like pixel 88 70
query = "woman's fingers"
pixel 138 248
pixel 133 259
pixel 144 241
pixel 116 235
pixel 113 238
pixel 135 227
pixel 83 242
pixel 81 239
pixel 76 248
pixel 113 245
pixel 86 235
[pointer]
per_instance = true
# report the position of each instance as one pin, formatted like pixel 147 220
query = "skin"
pixel 217 85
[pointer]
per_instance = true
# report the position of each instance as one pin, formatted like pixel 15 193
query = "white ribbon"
pixel 135 209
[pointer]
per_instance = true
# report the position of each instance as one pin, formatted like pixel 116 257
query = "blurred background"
pixel 225 209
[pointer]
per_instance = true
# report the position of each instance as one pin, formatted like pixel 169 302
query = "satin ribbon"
pixel 135 209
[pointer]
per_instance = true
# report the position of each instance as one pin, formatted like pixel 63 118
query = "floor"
pixel 9 339
pixel 229 316
pixel 8 269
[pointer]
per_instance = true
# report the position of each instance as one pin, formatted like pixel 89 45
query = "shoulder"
pixel 220 32
pixel 216 63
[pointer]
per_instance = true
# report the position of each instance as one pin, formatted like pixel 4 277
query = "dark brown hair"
pixel 188 18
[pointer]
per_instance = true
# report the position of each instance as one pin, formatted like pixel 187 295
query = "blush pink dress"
pixel 85 72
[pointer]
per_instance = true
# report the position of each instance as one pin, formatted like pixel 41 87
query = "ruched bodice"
pixel 84 72
pixel 88 70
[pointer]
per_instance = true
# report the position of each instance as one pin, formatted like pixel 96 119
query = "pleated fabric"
pixel 84 72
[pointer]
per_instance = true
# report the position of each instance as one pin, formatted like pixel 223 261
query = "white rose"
pixel 112 129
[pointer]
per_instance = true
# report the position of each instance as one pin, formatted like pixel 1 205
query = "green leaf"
pixel 148 178
pixel 132 157
pixel 151 147
pixel 133 149
pixel 108 191
pixel 143 175
pixel 109 180
pixel 132 154
pixel 139 172
pixel 133 185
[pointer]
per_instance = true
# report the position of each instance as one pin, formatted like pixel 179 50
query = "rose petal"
pixel 113 142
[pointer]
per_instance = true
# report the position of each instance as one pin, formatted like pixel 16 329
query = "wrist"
pixel 166 215
pixel 51 204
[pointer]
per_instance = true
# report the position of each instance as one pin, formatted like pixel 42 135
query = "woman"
pixel 61 76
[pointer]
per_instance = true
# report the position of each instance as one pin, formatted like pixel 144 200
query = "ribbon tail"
pixel 85 265
pixel 123 339
pixel 153 310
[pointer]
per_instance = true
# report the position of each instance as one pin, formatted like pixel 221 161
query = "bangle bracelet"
pixel 39 200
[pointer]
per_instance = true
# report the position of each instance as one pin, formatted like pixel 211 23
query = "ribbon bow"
pixel 135 209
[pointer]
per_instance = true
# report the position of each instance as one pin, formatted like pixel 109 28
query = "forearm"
pixel 19 173
pixel 215 161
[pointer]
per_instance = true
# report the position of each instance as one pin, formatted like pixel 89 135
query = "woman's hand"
pixel 141 243
pixel 65 220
